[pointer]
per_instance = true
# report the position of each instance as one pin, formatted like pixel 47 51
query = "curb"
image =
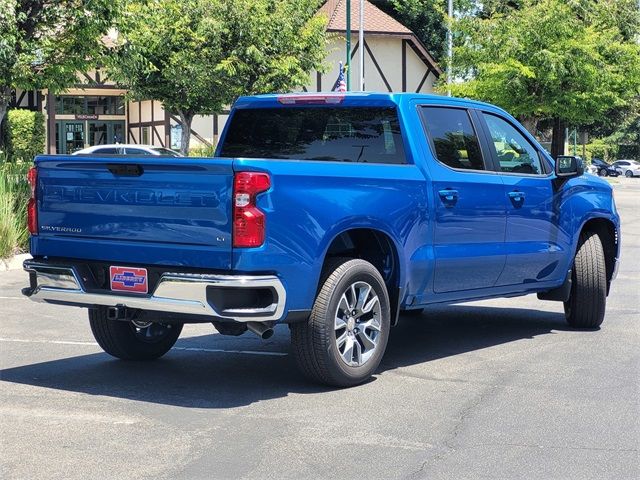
pixel 13 263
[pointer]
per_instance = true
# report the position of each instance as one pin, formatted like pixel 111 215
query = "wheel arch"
pixel 607 231
pixel 378 248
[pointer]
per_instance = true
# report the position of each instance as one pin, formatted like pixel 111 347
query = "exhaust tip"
pixel 263 330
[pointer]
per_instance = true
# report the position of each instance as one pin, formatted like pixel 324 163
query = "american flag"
pixel 341 84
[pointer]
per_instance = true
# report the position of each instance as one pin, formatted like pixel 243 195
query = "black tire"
pixel 122 339
pixel 602 172
pixel 628 174
pixel 586 305
pixel 314 343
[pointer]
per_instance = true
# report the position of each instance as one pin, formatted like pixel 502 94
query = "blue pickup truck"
pixel 331 213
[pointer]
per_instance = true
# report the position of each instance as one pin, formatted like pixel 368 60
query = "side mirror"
pixel 568 166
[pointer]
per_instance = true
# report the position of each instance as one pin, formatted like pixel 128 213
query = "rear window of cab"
pixel 335 134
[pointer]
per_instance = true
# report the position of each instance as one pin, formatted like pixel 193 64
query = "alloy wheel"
pixel 357 324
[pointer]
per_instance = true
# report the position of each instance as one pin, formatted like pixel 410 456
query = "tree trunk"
pixel 557 139
pixel 185 119
pixel 5 98
pixel 531 124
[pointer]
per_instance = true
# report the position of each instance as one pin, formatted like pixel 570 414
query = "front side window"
pixel 514 152
pixel 454 139
pixel 165 151
pixel 335 134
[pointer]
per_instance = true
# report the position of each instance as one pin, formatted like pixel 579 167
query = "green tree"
pixel 44 44
pixel 570 62
pixel 196 56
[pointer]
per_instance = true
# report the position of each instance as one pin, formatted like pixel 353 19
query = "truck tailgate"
pixel 135 202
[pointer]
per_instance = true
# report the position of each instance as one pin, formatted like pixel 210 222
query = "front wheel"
pixel 603 172
pixel 586 305
pixel 132 340
pixel 346 335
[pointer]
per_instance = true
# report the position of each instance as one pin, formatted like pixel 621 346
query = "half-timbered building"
pixel 95 110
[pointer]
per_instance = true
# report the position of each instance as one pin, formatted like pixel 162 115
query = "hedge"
pixel 26 135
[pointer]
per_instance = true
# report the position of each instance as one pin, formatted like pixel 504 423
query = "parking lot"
pixel 491 389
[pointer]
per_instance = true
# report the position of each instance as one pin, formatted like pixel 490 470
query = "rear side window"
pixel 106 151
pixel 454 139
pixel 335 134
pixel 137 151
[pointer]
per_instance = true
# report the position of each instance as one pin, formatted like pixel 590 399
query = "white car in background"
pixel 126 149
pixel 628 168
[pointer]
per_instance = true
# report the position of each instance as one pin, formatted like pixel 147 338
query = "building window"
pixel 145 135
pixel 90 105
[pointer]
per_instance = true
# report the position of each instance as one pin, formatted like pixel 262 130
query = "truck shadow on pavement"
pixel 204 379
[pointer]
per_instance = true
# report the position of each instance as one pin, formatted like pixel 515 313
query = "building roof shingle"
pixel 375 20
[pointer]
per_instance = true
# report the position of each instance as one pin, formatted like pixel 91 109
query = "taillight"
pixel 32 206
pixel 248 220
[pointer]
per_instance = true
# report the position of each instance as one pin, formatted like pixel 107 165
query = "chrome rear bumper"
pixel 182 293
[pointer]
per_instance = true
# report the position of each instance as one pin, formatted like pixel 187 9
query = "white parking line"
pixel 185 349
pixel 220 350
pixel 55 342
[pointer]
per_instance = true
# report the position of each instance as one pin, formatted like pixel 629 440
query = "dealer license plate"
pixel 128 279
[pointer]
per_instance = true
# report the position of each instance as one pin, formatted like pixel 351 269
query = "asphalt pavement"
pixel 491 389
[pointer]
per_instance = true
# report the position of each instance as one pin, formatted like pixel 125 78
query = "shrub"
pixel 14 195
pixel 599 148
pixel 25 134
pixel 202 151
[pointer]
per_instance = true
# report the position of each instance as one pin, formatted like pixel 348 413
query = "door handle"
pixel 517 197
pixel 448 196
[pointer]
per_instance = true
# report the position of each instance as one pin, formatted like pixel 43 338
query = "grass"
pixel 14 195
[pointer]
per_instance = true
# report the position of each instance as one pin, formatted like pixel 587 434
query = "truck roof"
pixel 349 98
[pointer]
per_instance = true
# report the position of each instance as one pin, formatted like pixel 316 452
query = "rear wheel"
pixel 133 340
pixel 628 174
pixel 586 305
pixel 346 335
pixel 603 172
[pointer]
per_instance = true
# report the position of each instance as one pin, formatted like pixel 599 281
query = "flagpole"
pixel 361 47
pixel 449 47
pixel 348 45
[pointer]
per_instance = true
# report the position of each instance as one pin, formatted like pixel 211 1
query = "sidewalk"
pixel 13 263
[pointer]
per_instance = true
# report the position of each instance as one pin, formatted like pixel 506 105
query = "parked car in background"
pixel 604 169
pixel 628 168
pixel 592 169
pixel 126 149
